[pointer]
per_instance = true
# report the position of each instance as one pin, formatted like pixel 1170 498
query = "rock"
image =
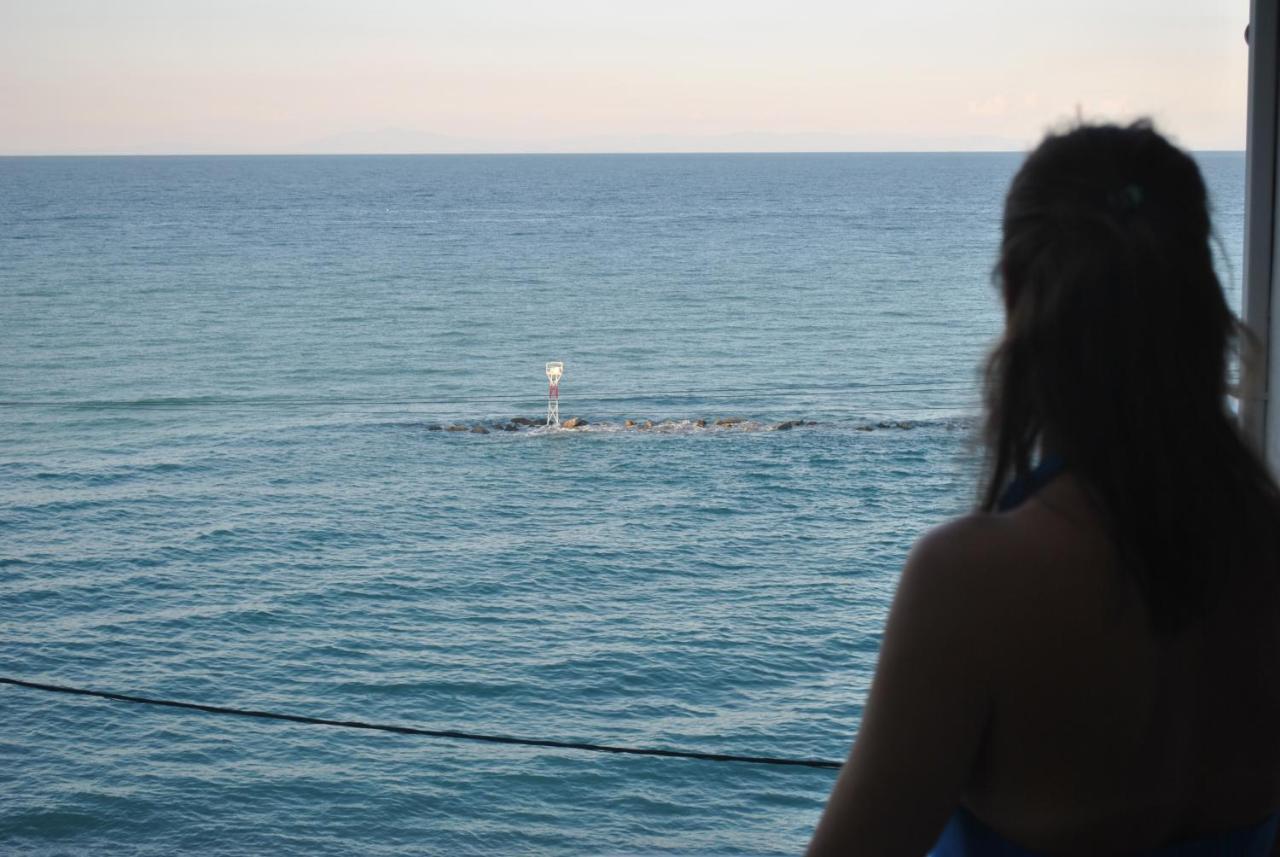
pixel 700 423
pixel 647 424
pixel 574 422
pixel 435 427
pixel 456 427
pixel 729 421
pixel 788 425
pixel 479 430
pixel 866 428
pixel 629 424
pixel 524 421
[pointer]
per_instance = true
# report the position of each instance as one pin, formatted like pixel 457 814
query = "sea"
pixel 227 477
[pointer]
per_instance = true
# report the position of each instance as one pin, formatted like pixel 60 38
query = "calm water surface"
pixel 223 484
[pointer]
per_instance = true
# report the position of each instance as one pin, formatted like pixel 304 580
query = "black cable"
pixel 451 734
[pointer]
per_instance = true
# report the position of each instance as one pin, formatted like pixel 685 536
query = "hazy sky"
pixel 160 76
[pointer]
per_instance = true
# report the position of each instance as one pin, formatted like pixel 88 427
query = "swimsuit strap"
pixel 1027 484
pixel 967 836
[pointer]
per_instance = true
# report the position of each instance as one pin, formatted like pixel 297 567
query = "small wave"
pixel 152 402
pixel 49 824
pixel 113 476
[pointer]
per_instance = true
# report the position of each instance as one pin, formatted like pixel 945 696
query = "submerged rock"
pixel 456 427
pixel 573 422
pixel 729 421
pixel 788 425
pixel 700 423
pixel 647 424
pixel 479 430
pixel 524 421
pixel 435 427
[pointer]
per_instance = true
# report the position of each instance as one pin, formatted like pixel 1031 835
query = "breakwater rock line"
pixel 666 426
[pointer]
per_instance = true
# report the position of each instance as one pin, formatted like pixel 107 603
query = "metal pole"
pixel 1260 423
pixel 555 370
pixel 553 404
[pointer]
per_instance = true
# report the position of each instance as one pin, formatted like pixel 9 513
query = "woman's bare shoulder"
pixel 977 548
pixel 1034 561
pixel 960 574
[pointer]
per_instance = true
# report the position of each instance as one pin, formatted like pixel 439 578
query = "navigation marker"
pixel 555 369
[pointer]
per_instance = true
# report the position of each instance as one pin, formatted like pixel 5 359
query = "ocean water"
pixel 224 479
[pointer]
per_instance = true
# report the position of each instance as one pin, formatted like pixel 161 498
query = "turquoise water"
pixel 220 481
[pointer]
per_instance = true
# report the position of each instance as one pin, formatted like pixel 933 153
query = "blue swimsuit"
pixel 966 836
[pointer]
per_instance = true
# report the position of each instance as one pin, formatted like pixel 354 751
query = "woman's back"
pixel 1090 664
pixel 1103 735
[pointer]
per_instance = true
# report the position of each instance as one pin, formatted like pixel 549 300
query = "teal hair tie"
pixel 1127 198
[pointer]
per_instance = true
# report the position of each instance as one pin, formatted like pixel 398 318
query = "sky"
pixel 314 76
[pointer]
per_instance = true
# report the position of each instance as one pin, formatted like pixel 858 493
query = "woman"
pixel 1090 664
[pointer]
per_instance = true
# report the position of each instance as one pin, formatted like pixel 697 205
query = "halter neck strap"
pixel 1025 486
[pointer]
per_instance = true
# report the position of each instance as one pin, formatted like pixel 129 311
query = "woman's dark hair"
pixel 1115 357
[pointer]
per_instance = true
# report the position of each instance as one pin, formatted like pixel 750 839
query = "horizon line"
pixel 603 153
